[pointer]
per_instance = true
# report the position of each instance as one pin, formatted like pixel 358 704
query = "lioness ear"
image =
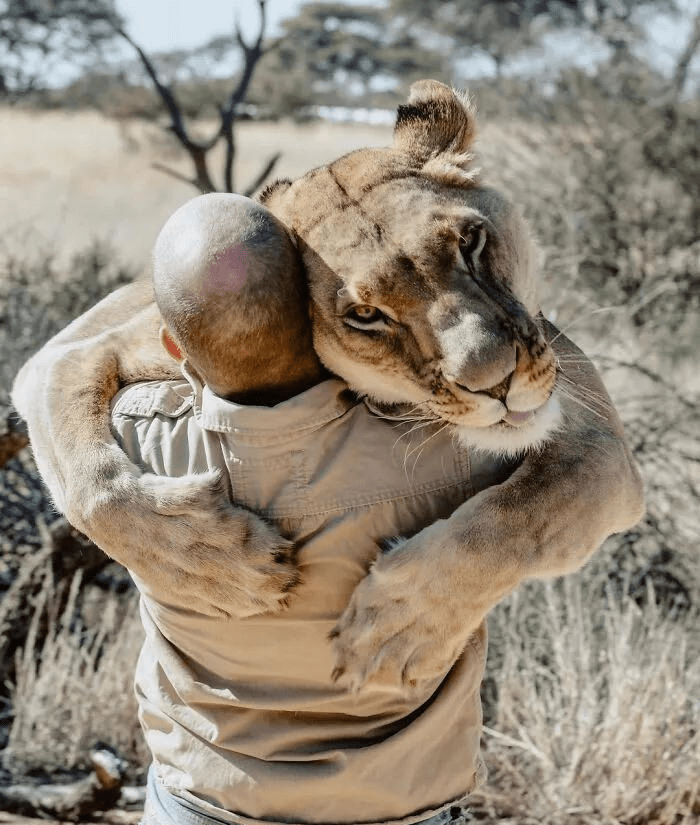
pixel 436 120
pixel 169 344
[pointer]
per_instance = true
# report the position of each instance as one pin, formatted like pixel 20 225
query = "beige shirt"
pixel 241 715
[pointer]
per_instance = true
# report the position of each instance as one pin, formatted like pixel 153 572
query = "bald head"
pixel 231 290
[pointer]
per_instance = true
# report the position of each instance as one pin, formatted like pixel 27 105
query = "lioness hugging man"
pixel 422 298
pixel 334 477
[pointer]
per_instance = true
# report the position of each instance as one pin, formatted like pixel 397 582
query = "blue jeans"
pixel 163 808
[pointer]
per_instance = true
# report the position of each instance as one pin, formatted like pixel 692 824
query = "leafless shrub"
pixel 37 299
pixel 592 684
pixel 75 687
pixel 616 213
pixel 662 419
pixel 227 113
pixel 597 719
pixel 53 717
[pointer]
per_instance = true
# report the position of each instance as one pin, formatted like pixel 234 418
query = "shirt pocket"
pixel 275 486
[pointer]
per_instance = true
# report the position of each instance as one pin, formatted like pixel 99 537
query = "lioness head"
pixel 423 280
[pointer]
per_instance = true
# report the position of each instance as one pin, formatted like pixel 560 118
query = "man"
pixel 242 715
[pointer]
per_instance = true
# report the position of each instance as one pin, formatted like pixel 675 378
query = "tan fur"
pixel 411 231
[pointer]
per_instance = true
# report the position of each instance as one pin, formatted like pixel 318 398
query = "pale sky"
pixel 172 24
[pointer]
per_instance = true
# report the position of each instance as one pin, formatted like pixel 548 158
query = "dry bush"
pixel 662 420
pixel 592 687
pixel 74 684
pixel 611 187
pixel 37 299
pixel 597 720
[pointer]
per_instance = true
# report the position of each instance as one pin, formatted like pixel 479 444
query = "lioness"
pixel 423 291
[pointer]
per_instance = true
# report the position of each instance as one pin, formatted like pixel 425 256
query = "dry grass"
pixel 71 178
pixel 598 713
pixel 74 685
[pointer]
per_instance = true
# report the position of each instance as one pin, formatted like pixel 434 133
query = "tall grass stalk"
pixel 598 711
pixel 74 687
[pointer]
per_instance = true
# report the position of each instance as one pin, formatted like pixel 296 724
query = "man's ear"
pixel 169 344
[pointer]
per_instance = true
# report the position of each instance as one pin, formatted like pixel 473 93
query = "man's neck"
pixel 268 393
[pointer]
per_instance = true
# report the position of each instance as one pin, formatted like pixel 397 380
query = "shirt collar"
pixel 307 411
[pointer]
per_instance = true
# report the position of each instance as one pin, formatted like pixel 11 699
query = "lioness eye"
pixel 365 313
pixel 471 241
pixel 365 317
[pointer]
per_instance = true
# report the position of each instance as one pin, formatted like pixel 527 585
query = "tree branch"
pixel 680 75
pixel 263 176
pixel 689 404
pixel 197 151
pixel 252 54
pixel 173 173
pixel 166 94
pixel 79 800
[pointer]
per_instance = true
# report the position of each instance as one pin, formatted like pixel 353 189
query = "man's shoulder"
pixel 147 399
pixel 153 422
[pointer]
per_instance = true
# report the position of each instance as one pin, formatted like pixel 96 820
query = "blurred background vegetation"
pixel 592 696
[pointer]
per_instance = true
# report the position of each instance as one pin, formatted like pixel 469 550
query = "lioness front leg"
pixel 410 617
pixel 181 534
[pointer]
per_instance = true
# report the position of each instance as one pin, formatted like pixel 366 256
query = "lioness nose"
pixel 490 375
pixel 478 352
pixel 498 391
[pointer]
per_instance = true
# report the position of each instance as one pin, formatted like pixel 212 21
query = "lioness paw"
pixel 403 628
pixel 189 545
pixel 391 643
pixel 197 493
pixel 244 565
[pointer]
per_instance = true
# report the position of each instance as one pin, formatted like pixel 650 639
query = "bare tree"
pixel 199 150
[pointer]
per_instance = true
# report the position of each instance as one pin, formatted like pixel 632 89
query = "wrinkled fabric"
pixel 241 715
pixel 163 808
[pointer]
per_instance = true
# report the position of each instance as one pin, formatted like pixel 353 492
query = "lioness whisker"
pixel 600 444
pixel 422 447
pixel 567 394
pixel 600 399
pixel 587 315
pixel 572 361
pixel 409 418
pixel 569 389
pixel 414 428
pixel 570 358
pixel 416 410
